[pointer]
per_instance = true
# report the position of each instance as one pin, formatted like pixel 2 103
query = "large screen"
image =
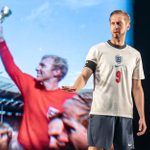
pixel 66 28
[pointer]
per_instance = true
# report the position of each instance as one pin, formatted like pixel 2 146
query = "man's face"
pixel 118 25
pixel 58 135
pixel 45 69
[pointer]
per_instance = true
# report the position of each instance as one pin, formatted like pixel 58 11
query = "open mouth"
pixel 116 32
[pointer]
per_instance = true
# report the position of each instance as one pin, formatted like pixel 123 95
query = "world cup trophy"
pixel 5 12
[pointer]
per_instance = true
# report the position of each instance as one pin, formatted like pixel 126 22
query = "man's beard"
pixel 116 35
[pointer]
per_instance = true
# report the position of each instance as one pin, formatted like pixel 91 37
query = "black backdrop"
pixel 141 42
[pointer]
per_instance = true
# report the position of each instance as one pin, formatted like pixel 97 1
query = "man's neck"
pixel 50 85
pixel 118 41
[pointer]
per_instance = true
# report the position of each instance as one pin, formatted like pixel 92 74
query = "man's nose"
pixel 37 68
pixel 116 26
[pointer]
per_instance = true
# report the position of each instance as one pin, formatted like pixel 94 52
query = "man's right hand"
pixel 68 88
pixel 1 34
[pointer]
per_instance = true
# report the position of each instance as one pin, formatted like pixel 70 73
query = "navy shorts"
pixel 103 131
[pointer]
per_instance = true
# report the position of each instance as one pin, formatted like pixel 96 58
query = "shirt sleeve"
pixel 138 72
pixel 91 59
pixel 92 55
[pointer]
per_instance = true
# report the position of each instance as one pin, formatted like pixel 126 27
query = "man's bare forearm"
pixel 139 100
pixel 82 79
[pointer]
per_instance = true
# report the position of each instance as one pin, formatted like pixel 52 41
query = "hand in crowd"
pixel 5 137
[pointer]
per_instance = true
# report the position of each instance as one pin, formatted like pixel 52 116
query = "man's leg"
pixel 123 139
pixel 100 132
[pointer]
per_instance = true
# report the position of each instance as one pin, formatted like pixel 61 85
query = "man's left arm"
pixel 138 95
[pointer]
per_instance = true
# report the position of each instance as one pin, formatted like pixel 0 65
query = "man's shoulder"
pixel 99 45
pixel 65 93
pixel 133 50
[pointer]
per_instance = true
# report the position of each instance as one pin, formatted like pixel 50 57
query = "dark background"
pixel 141 42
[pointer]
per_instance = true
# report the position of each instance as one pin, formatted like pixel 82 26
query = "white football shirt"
pixel 115 69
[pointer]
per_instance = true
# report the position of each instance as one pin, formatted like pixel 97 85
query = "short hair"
pixel 127 17
pixel 59 63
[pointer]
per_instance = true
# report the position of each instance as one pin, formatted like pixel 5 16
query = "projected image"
pixel 44 44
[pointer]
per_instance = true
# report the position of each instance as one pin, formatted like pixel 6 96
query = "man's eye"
pixel 43 66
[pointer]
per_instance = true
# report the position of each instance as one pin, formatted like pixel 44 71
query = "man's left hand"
pixel 142 127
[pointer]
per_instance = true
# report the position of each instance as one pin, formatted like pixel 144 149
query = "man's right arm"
pixel 80 82
pixel 21 79
pixel 6 57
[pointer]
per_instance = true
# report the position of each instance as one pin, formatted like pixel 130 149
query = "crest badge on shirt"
pixel 118 59
pixel 52 112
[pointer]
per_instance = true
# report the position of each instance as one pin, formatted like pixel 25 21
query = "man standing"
pixel 118 70
pixel 38 94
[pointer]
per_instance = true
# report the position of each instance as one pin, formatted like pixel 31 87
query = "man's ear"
pixel 128 27
pixel 57 73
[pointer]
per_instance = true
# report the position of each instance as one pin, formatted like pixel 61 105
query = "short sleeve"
pixel 92 55
pixel 138 72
